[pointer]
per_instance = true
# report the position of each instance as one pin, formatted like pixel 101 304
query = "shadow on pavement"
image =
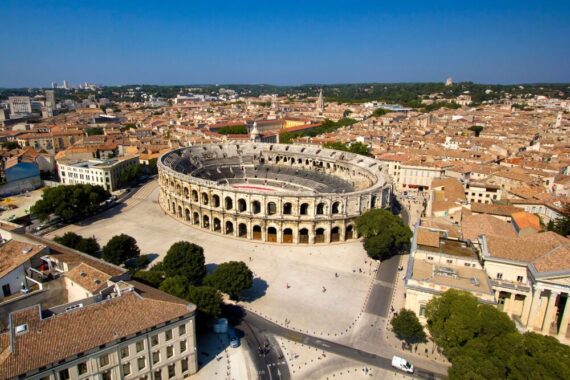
pixel 210 347
pixel 257 290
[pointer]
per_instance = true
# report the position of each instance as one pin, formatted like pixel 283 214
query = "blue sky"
pixel 283 42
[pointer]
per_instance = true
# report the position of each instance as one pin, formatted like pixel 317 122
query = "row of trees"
pixel 355 147
pixel 384 233
pixel 232 130
pixel 70 202
pixel 561 225
pixel 326 126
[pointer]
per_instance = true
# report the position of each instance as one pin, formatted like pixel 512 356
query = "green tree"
pixel 231 278
pixel 207 299
pixel 408 328
pixel 151 277
pixel 70 201
pixel 177 286
pixel 185 259
pixel 120 249
pixel 10 145
pixel 77 242
pixel 562 225
pixel 232 130
pixel 477 129
pixel 384 233
pixel 95 131
pixel 380 112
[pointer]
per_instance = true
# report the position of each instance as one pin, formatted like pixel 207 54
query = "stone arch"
pixel 205 199
pixel 321 208
pixel 186 193
pixel 256 232
pixel 173 209
pixel 217 225
pixel 287 235
pixel 187 214
pixel 206 221
pixel 256 207
pixel 242 205
pixel 304 209
pixel 271 208
pixel 373 201
pixel 194 195
pixel 336 207
pixel 335 234
pixel 272 234
pixel 216 200
pixel 180 211
pixel 304 236
pixel 349 232
pixel 287 208
pixel 228 203
pixel 196 218
pixel 320 235
pixel 242 230
pixel 229 227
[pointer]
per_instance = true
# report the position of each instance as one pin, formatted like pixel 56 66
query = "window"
pixel 168 335
pixel 141 363
pixel 155 357
pixel 126 369
pixel 519 278
pixel 171 371
pixel 140 346
pixel 181 329
pixel 499 276
pixel 184 363
pixel 422 310
pixel 124 352
pixel 64 374
pixel 104 360
pixel 82 368
pixel 182 345
pixel 158 375
pixel 467 264
pixel 169 351
pixel 430 257
pixel 154 340
pixel 48 377
pixel 106 376
pixel 449 261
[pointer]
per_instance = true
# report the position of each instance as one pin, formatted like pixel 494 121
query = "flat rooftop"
pixel 450 247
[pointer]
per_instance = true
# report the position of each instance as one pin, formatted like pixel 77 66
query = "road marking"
pixel 269 370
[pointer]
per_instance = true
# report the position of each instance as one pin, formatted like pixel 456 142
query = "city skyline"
pixel 286 44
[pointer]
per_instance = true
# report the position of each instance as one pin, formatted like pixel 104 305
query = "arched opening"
pixel 242 205
pixel 194 195
pixel 335 234
pixel 272 235
pixel 373 201
pixel 186 193
pixel 187 214
pixel 304 209
pixel 271 208
pixel 205 199
pixel 287 208
pixel 217 225
pixel 320 209
pixel 196 218
pixel 256 207
pixel 287 235
pixel 242 230
pixel 256 233
pixel 216 200
pixel 173 209
pixel 206 221
pixel 180 211
pixel 320 235
pixel 228 203
pixel 178 190
pixel 349 232
pixel 229 227
pixel 336 208
pixel 304 236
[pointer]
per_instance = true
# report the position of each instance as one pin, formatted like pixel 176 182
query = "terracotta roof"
pixel 427 237
pixel 89 278
pixel 474 225
pixel 524 220
pixel 493 209
pixel 66 335
pixel 15 253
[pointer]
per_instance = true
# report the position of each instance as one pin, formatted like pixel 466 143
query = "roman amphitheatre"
pixel 273 193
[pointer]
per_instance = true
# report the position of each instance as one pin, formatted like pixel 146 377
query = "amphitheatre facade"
pixel 272 192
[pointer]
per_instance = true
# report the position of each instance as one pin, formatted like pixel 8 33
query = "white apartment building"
pixel 411 175
pixel 482 193
pixel 105 173
pixel 20 105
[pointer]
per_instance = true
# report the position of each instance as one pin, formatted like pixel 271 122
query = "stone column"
pixel 550 312
pixel 509 304
pixel 565 317
pixel 535 304
pixel 526 308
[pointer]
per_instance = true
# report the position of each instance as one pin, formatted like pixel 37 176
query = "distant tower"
pixel 449 81
pixel 65 86
pixel 320 102
pixel 50 99
pixel 254 135
pixel 559 120
pixel 53 84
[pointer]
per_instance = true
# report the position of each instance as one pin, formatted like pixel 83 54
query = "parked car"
pixel 402 364
pixel 234 342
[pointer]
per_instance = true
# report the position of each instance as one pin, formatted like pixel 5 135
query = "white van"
pixel 402 364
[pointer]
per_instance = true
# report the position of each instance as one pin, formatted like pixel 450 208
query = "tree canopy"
pixel 408 328
pixel 177 286
pixel 232 130
pixel 482 342
pixel 120 249
pixel 78 242
pixel 562 225
pixel 231 278
pixel 207 299
pixel 477 129
pixel 70 201
pixel 354 147
pixel 384 233
pixel 185 259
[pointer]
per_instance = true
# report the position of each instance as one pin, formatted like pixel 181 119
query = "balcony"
pixel 511 285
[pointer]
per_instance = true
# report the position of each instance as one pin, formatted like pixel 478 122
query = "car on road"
pixel 234 342
pixel 402 364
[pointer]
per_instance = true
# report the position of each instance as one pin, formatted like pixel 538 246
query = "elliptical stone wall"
pixel 296 212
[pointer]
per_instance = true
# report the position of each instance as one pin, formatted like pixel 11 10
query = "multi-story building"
pixel 51 142
pixel 20 105
pixel 412 175
pixel 102 172
pixel 482 193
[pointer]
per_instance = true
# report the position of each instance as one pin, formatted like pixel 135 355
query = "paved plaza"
pixel 318 289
